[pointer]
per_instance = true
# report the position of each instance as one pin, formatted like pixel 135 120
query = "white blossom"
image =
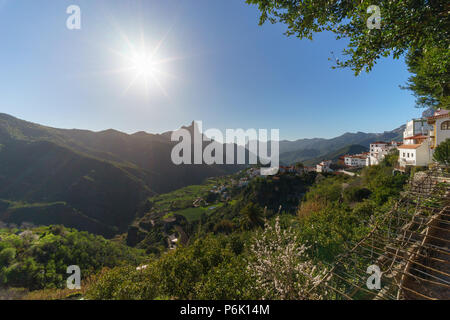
pixel 281 267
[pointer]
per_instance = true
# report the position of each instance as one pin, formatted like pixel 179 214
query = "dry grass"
pixel 307 207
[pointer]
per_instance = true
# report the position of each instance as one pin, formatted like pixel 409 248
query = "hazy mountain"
pixel 334 155
pixel 316 148
pixel 292 157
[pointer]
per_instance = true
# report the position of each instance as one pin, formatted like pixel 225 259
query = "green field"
pixel 194 214
pixel 22 204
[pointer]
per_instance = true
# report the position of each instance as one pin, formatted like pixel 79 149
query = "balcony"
pixel 404 163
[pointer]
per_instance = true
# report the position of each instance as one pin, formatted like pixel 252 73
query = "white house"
pixel 414 154
pixel 416 127
pixel 420 140
pixel 378 150
pixel 416 131
pixel 356 160
pixel 324 166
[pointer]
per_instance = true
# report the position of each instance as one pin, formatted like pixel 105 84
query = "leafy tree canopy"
pixel 419 28
pixel 430 81
pixel 405 24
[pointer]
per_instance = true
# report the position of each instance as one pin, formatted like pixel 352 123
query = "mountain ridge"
pixel 99 181
pixel 105 176
pixel 323 146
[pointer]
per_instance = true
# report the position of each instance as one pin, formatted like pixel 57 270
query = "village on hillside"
pixel 420 139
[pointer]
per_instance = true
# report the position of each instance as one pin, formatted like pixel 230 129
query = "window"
pixel 404 154
pixel 445 125
pixel 408 154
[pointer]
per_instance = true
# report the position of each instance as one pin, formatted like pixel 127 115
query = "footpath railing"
pixel 409 246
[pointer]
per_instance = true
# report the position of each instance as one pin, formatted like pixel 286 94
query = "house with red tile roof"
pixel 356 160
pixel 414 154
pixel 420 139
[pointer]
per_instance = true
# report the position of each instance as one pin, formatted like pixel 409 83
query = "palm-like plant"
pixel 252 216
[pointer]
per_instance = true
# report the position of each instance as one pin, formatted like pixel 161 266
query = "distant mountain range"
pixel 334 155
pixel 99 181
pixel 318 149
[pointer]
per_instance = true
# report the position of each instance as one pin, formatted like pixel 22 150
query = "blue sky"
pixel 228 71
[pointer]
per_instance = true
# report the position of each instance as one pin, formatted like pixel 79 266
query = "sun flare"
pixel 146 68
pixel 146 65
pixel 143 64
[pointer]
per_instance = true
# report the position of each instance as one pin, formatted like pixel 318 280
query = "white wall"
pixel 441 135
pixel 420 156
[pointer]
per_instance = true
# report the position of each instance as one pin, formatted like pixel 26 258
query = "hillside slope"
pixel 91 194
pixel 93 181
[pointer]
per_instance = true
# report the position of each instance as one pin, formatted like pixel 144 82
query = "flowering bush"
pixel 280 266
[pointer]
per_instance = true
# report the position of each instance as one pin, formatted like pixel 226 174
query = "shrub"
pixel 280 265
pixel 7 256
pixel 224 226
pixel 356 194
pixel 442 153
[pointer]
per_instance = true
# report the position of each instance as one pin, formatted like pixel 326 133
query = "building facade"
pixel 421 140
pixel 324 166
pixel 379 150
pixel 416 127
pixel 441 127
pixel 356 160
pixel 414 154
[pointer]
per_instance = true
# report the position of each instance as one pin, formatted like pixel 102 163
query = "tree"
pixel 7 255
pixel 251 216
pixel 430 81
pixel 299 165
pixel 405 24
pixel 419 28
pixel 442 153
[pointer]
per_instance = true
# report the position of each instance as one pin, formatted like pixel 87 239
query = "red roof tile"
pixel 410 146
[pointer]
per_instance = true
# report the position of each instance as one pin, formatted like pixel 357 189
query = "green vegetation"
pixel 210 268
pixel 38 258
pixel 422 24
pixel 252 216
pixel 334 213
pixel 337 209
pixel 416 28
pixel 442 153
pixel 233 240
pixel 235 251
pixel 430 80
pixel 20 204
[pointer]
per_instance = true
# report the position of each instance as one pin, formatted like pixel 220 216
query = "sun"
pixel 143 64
pixel 146 68
pixel 146 65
